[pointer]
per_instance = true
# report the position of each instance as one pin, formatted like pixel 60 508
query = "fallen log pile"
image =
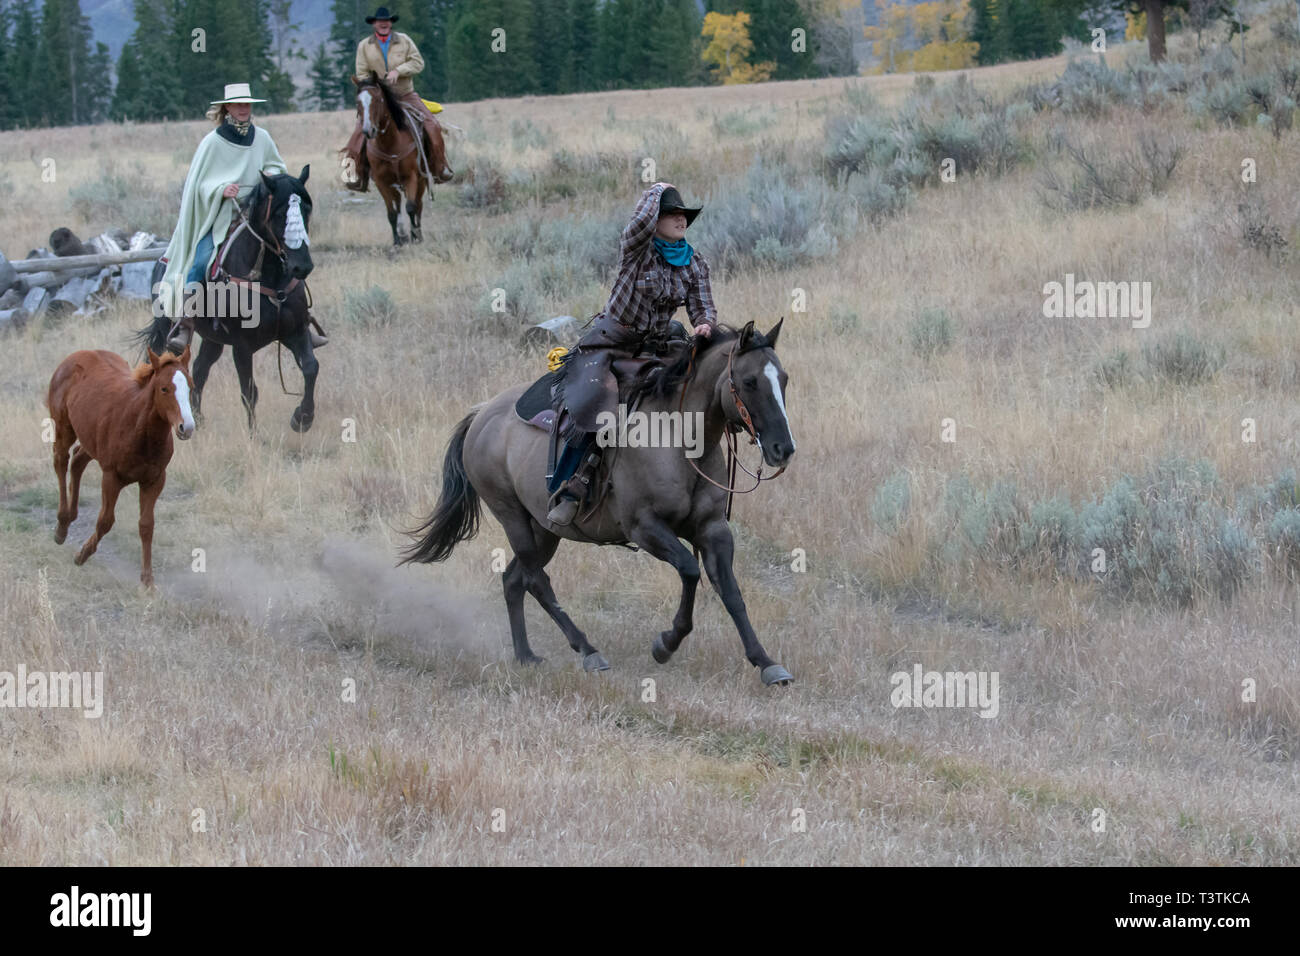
pixel 72 277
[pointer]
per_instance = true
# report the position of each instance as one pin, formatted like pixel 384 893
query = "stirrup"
pixel 179 340
pixel 563 511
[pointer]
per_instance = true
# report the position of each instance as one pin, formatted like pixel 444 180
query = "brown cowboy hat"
pixel 383 14
pixel 670 200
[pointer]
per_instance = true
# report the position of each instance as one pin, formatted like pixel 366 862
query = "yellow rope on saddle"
pixel 554 357
pixel 433 107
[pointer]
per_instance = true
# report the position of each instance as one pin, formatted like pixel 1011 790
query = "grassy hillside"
pixel 1120 692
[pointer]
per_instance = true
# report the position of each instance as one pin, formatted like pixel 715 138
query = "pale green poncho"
pixel 216 163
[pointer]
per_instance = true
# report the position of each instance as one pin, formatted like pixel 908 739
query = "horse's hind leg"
pixel 243 359
pixel 111 488
pixel 526 573
pixel 80 459
pixel 64 439
pixel 512 583
pixel 538 582
pixel 658 539
pixel 717 548
pixel 414 206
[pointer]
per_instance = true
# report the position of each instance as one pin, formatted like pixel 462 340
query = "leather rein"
pixel 731 430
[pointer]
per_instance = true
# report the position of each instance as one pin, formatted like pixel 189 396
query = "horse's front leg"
pixel 209 352
pixel 243 357
pixel 111 488
pixel 655 537
pixel 391 200
pixel 148 497
pixel 718 548
pixel 305 356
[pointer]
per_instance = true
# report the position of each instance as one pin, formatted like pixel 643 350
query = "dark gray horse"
pixel 655 497
pixel 258 255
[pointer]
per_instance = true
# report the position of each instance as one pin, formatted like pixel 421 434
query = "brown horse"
pixel 123 419
pixel 393 151
pixel 655 496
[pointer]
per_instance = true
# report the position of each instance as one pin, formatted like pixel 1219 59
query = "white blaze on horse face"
pixel 365 110
pixel 770 371
pixel 183 400
pixel 295 230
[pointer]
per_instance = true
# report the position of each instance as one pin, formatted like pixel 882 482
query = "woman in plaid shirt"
pixel 659 271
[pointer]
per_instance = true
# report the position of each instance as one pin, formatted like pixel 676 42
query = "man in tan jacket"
pixel 394 58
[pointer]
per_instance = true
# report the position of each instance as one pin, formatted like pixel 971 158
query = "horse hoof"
pixel 60 535
pixel 532 660
pixel 80 559
pixel 659 652
pixel 776 674
pixel 594 662
pixel 300 422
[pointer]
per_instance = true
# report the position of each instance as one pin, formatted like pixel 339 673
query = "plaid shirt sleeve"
pixel 641 229
pixel 624 304
pixel 699 299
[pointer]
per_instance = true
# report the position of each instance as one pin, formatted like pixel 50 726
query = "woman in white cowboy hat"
pixel 226 165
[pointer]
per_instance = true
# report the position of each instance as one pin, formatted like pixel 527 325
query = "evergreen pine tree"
pixel 611 42
pixel 551 36
pixel 323 90
pixel 983 29
pixel 25 108
pixel 62 53
pixel 6 91
pixel 97 91
pixel 129 93
pixel 348 29
pixel 582 46
pixel 153 91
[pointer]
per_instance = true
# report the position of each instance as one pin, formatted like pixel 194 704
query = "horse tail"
pixel 456 516
pixel 153 335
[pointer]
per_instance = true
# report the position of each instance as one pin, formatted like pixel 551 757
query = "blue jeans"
pixel 201 255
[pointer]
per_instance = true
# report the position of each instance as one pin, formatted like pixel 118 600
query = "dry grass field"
pixel 1119 693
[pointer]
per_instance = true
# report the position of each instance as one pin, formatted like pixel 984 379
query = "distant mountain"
pixel 113 21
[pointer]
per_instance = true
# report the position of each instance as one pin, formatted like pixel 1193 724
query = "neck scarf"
pixel 241 128
pixel 675 253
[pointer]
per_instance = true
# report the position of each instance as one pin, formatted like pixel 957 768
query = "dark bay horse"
pixel 656 500
pixel 123 419
pixel 259 296
pixel 393 150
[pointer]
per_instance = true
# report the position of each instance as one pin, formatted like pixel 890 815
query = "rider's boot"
pixel 574 492
pixel 180 339
pixel 318 336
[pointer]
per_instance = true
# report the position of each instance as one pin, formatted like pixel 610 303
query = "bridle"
pixel 276 296
pixel 371 146
pixel 731 430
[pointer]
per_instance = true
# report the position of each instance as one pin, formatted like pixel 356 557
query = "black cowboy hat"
pixel 382 14
pixel 670 200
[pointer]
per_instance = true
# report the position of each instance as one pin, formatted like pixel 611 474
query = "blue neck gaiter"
pixel 675 253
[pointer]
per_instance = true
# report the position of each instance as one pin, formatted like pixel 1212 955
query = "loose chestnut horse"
pixel 123 419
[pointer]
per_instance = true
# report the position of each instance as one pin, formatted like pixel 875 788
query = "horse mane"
pixel 143 372
pixel 683 366
pixel 390 100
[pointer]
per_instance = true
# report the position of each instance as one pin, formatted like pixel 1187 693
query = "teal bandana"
pixel 675 253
